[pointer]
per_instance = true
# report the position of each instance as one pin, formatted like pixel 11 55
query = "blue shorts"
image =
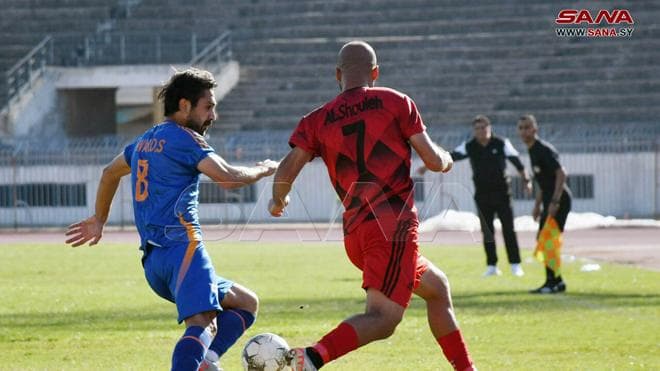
pixel 183 273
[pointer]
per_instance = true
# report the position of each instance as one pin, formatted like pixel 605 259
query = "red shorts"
pixel 388 257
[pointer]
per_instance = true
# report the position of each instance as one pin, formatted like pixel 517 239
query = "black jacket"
pixel 489 164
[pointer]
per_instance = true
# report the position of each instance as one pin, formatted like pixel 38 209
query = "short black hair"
pixel 529 118
pixel 189 84
pixel 481 118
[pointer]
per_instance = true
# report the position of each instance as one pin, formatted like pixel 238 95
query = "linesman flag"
pixel 548 246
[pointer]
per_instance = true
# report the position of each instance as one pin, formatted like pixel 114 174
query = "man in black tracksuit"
pixel 488 154
pixel 553 192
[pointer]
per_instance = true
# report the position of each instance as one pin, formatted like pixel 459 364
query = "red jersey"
pixel 362 136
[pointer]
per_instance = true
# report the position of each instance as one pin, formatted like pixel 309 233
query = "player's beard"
pixel 200 128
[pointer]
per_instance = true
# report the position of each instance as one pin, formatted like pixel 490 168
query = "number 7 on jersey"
pixel 353 128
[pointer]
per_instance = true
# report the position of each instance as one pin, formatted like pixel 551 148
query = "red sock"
pixel 455 350
pixel 337 342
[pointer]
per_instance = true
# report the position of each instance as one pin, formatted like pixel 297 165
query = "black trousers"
pixel 487 206
pixel 562 214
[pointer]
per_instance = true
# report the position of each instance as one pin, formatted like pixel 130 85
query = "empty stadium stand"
pixel 456 59
pixel 24 23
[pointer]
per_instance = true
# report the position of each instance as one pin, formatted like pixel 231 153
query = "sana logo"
pixel 575 16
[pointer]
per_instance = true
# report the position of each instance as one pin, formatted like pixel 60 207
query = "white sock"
pixel 212 356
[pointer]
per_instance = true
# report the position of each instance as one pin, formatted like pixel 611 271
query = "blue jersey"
pixel 165 183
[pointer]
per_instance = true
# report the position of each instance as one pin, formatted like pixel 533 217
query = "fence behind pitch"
pixel 55 184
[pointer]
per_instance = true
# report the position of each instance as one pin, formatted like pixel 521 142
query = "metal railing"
pixel 119 48
pixel 582 138
pixel 141 47
pixel 27 70
pixel 124 8
pixel 49 182
pixel 34 151
pixel 57 194
pixel 256 145
pixel 217 52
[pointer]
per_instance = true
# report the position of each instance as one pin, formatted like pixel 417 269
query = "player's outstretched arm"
pixel 284 177
pixel 456 155
pixel 91 229
pixel 229 176
pixel 434 157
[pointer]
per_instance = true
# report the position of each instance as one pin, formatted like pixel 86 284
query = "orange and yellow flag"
pixel 548 246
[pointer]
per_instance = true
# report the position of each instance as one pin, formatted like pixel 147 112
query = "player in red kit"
pixel 365 136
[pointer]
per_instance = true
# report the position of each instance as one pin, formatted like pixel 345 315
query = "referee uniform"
pixel 545 162
pixel 553 193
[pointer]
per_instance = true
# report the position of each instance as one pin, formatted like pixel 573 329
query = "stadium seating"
pixel 456 59
pixel 23 24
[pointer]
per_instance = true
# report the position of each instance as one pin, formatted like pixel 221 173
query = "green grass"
pixel 90 308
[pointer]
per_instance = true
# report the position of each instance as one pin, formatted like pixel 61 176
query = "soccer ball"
pixel 265 352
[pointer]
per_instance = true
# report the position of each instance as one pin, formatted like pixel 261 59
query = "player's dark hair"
pixel 189 84
pixel 481 119
pixel 529 118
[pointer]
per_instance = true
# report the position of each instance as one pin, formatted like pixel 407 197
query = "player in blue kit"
pixel 165 164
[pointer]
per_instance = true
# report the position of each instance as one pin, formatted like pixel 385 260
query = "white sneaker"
pixel 299 361
pixel 517 270
pixel 492 271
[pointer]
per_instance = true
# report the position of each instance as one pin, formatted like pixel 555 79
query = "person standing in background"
pixel 553 192
pixel 488 154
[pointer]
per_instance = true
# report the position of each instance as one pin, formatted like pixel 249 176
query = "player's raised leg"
pixel 189 352
pixel 434 289
pixel 386 252
pixel 239 311
pixel 379 321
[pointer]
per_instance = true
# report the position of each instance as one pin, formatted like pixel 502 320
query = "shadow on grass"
pixel 154 318
pixel 93 320
pixel 523 300
pixel 163 317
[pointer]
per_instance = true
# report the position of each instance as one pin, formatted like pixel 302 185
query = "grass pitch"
pixel 90 308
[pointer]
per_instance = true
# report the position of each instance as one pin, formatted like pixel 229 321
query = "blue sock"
pixel 232 323
pixel 190 350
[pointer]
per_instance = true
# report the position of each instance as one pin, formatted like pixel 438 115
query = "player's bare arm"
pixel 286 174
pixel 229 176
pixel 515 160
pixel 536 211
pixel 91 229
pixel 434 157
pixel 527 181
pixel 560 179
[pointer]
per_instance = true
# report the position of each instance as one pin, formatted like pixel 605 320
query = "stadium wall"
pixel 36 108
pixel 624 185
pixel 40 108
